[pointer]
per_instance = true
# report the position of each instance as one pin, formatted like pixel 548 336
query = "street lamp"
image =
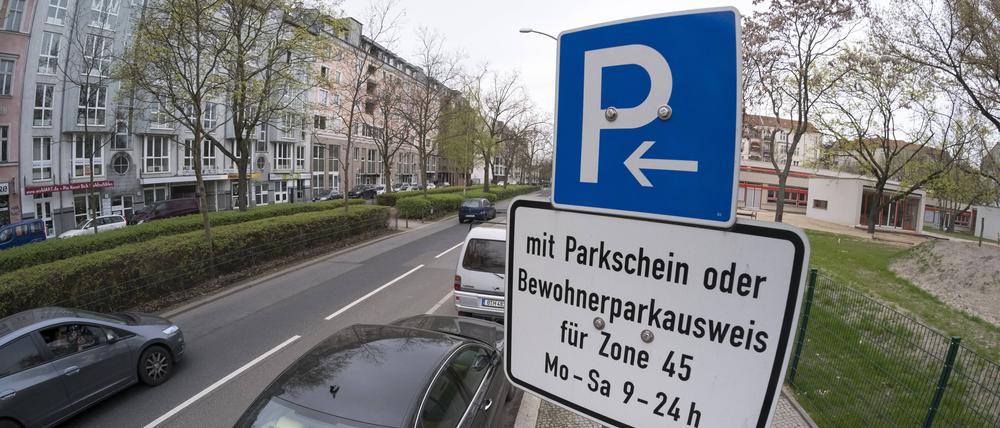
pixel 527 30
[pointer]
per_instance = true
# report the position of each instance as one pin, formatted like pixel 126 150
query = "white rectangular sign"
pixel 4 188
pixel 651 324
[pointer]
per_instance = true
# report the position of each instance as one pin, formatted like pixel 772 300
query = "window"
pixel 6 75
pixel 156 154
pixel 323 71
pixel 280 192
pixel 455 388
pixel 207 155
pixel 369 107
pixel 48 58
pixel 188 163
pixel 43 211
pixel 289 123
pixel 484 255
pixel 282 156
pixel 261 139
pixel 57 12
pixel 318 157
pixel 153 194
pixel 120 163
pixel 43 105
pixel 83 146
pixel 819 204
pixel 69 339
pixel 19 355
pixel 300 157
pixel 210 121
pixel 336 77
pixel 97 55
pixel 121 140
pixel 319 122
pixel 41 158
pixel 357 154
pixel 104 13
pixel 93 105
pixel 324 97
pixel 334 158
pixel 336 99
pixel 261 195
pixel 4 142
pixel 15 11
pixel 159 119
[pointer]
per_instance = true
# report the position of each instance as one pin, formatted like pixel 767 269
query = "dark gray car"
pixel 55 362
pixel 424 371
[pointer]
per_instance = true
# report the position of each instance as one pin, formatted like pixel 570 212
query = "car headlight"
pixel 171 330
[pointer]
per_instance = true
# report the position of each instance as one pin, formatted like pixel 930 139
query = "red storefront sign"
pixel 34 190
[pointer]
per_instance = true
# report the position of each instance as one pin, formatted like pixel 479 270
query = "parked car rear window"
pixel 472 203
pixel 18 355
pixel 484 255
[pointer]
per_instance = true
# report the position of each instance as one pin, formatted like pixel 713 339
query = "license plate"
pixel 470 215
pixel 490 303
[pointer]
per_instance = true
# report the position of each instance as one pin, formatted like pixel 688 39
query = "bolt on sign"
pixel 634 296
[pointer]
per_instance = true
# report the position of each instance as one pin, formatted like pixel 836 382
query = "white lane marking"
pixel 220 382
pixel 446 251
pixel 438 304
pixel 362 299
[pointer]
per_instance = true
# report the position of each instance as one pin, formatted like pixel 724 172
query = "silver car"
pixel 55 362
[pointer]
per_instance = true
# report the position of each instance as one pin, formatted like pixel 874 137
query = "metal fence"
pixel 858 362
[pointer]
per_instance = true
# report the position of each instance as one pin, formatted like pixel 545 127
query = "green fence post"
pixel 949 362
pixel 810 286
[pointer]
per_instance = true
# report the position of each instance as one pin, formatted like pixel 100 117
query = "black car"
pixel 473 209
pixel 426 371
pixel 332 196
pixel 362 191
pixel 55 362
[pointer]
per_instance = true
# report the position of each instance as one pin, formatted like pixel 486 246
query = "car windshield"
pixel 484 255
pixel 472 203
pixel 280 413
pixel 83 224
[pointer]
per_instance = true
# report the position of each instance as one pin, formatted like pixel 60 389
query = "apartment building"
pixel 766 137
pixel 15 31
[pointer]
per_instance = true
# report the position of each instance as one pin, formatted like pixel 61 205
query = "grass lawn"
pixel 864 265
pixel 969 236
pixel 864 364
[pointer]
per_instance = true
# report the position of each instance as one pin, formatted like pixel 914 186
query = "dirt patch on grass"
pixel 961 274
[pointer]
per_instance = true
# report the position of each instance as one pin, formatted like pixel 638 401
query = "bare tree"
pixel 501 106
pixel 174 60
pixel 426 100
pixel 360 54
pixel 789 43
pixel 460 129
pixel 265 65
pixel 956 39
pixel 389 127
pixel 867 114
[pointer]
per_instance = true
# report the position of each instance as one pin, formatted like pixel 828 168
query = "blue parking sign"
pixel 648 117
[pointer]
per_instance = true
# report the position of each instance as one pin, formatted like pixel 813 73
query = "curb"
pixel 527 413
pixel 787 393
pixel 255 281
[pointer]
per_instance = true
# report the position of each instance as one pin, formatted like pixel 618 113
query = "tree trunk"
pixel 196 158
pixel 243 178
pixel 388 174
pixel 90 192
pixel 875 207
pixel 486 174
pixel 779 209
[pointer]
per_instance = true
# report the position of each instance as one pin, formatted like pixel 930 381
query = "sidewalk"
pixel 536 413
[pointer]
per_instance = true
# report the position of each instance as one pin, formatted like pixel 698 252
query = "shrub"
pixel 492 197
pixel 131 274
pixel 414 207
pixel 390 199
pixel 58 249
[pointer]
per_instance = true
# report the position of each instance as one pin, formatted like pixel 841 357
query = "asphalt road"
pixel 238 343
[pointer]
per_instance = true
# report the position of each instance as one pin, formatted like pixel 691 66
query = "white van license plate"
pixel 490 303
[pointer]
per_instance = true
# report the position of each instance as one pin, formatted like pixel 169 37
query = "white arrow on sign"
pixel 635 164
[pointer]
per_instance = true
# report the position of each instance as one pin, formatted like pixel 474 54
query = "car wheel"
pixel 155 365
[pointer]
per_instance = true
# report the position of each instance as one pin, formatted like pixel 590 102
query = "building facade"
pixel 15 31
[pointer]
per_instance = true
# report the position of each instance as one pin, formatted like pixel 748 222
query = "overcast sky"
pixel 487 32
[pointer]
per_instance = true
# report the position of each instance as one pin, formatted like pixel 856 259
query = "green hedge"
pixel 57 249
pixel 136 273
pixel 390 199
pixel 433 205
pixel 492 197
pixel 512 190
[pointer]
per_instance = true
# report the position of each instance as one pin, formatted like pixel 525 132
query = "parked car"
pixel 104 224
pixel 21 233
pixel 55 362
pixel 380 189
pixel 331 196
pixel 362 191
pixel 473 209
pixel 424 371
pixel 431 186
pixel 479 277
pixel 166 209
pixel 398 187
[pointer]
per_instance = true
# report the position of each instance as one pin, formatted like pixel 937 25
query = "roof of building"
pixel 774 122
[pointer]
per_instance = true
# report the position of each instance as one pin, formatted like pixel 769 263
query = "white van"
pixel 479 277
